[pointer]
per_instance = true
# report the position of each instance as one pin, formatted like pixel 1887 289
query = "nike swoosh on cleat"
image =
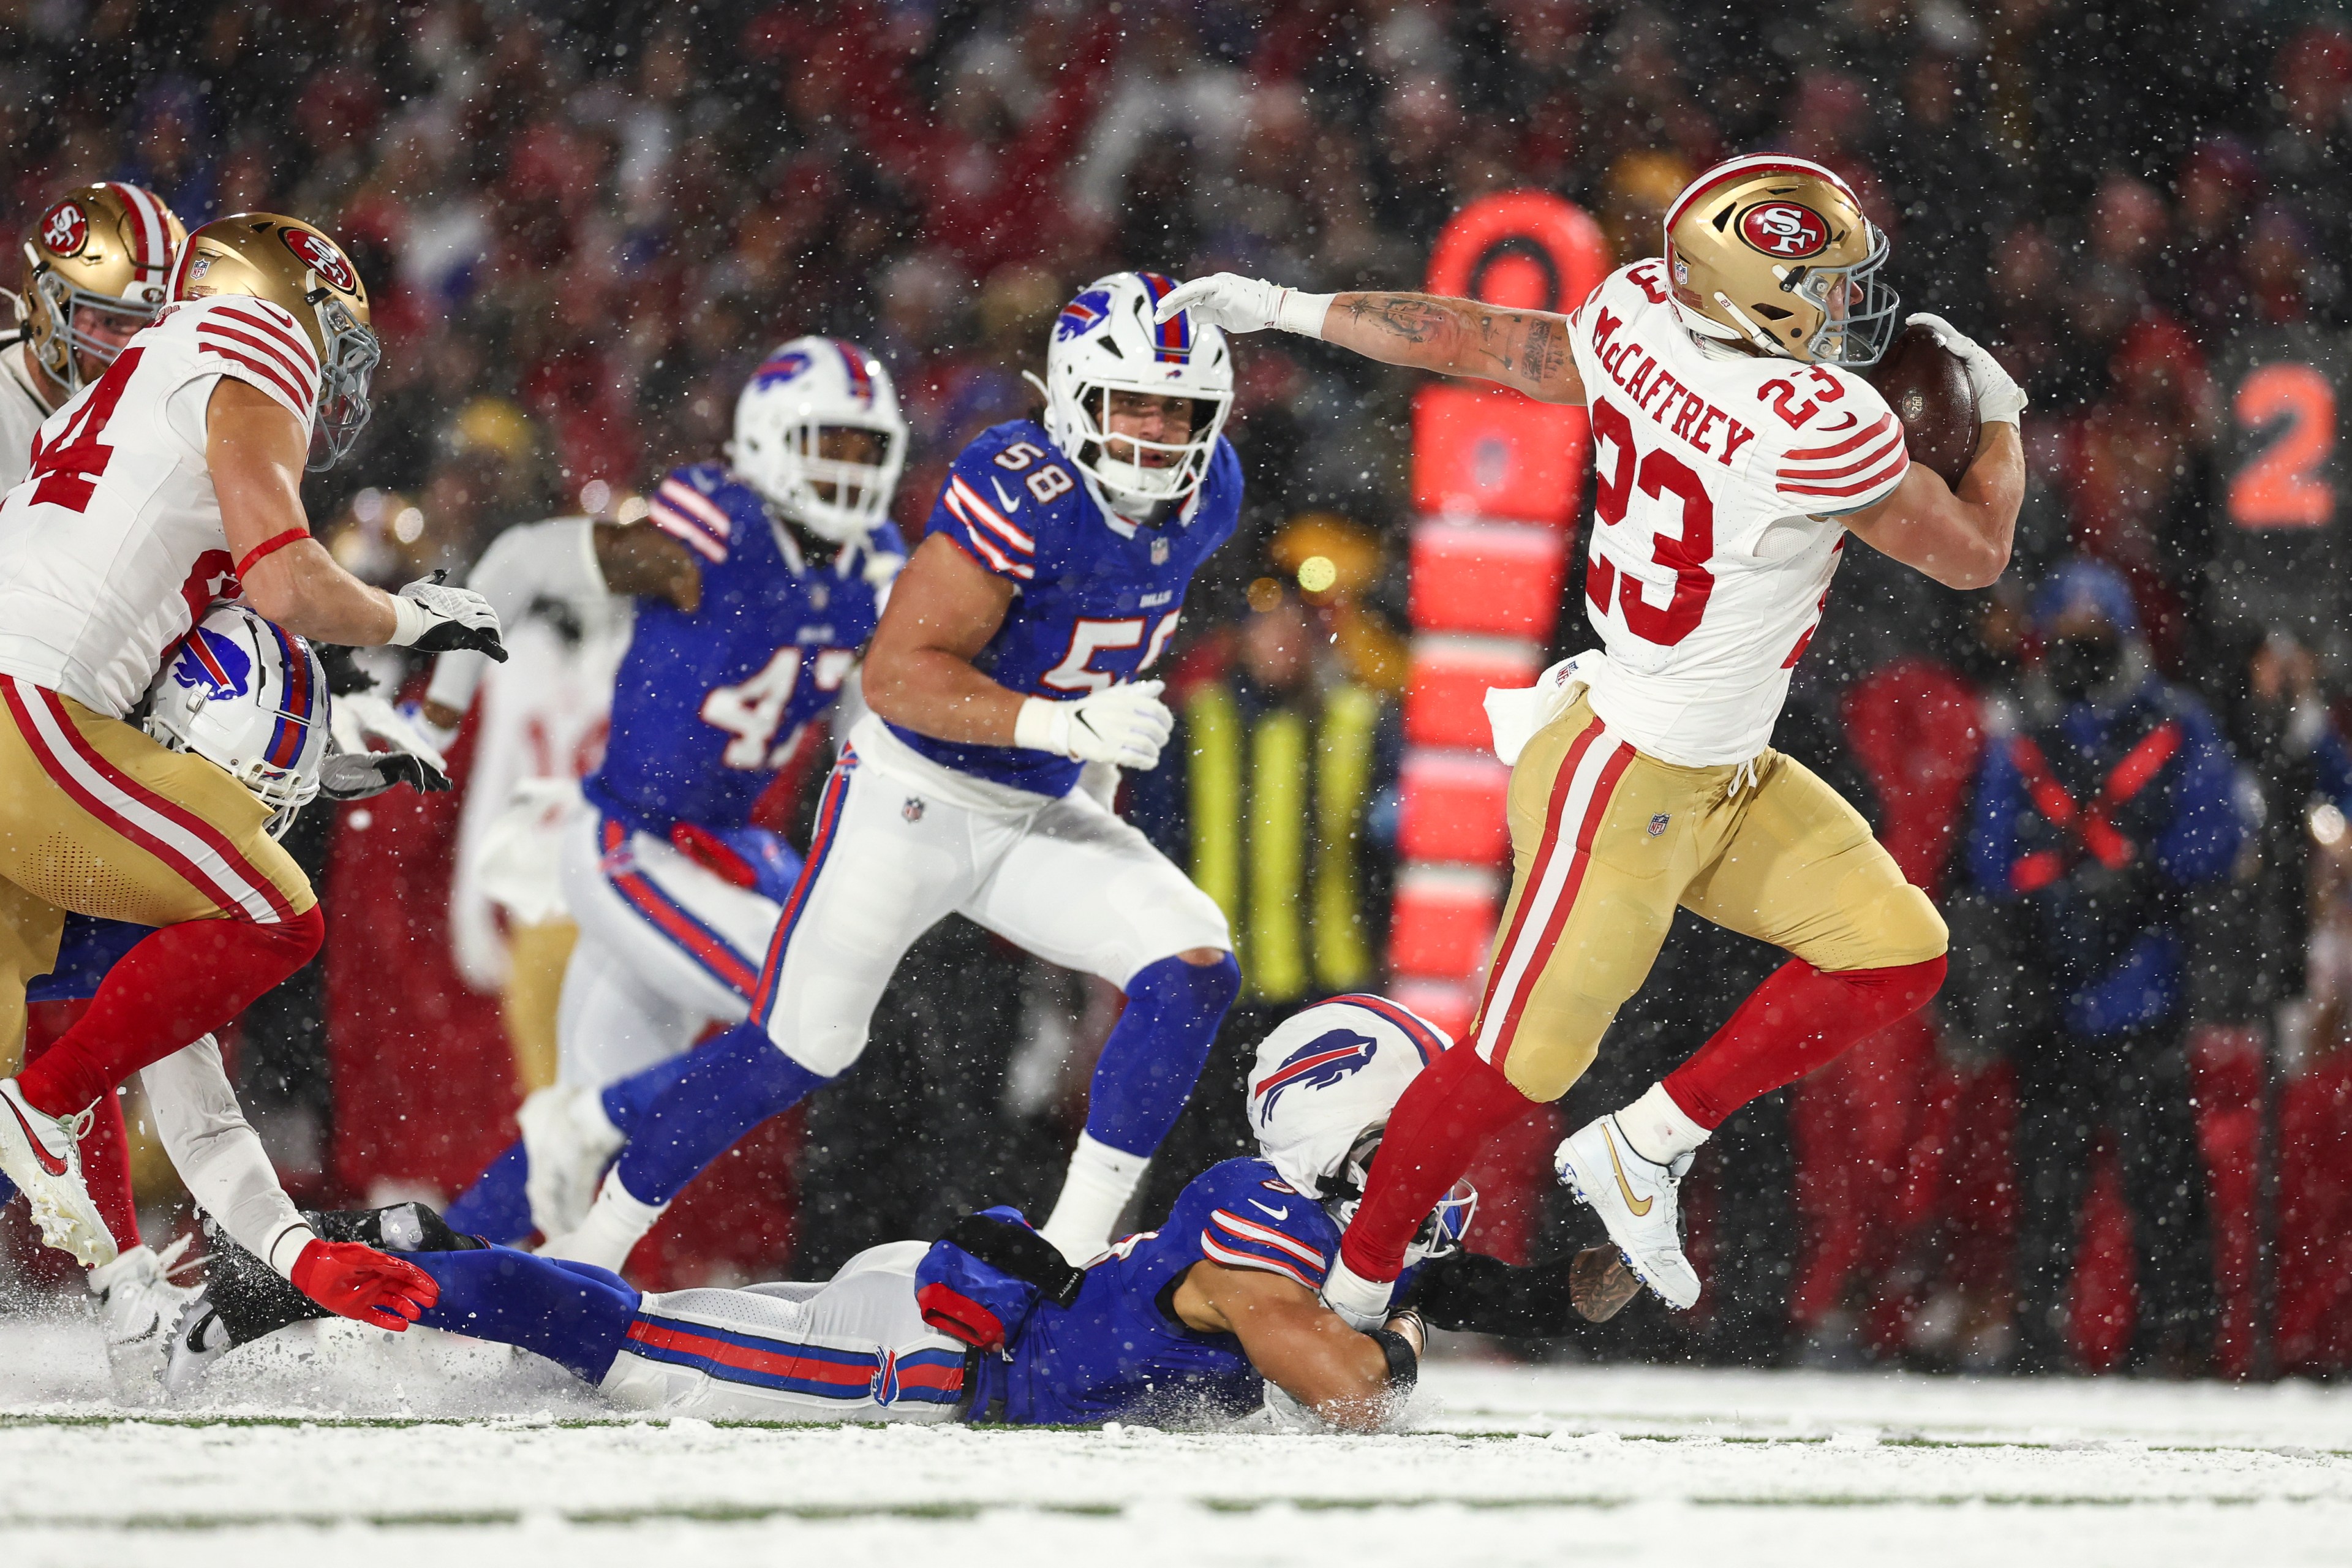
pixel 54 1167
pixel 1641 1208
pixel 1282 1213
pixel 1008 502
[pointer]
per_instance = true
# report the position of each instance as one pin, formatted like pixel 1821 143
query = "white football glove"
pixel 352 771
pixel 434 619
pixel 1125 725
pixel 2000 400
pixel 1240 304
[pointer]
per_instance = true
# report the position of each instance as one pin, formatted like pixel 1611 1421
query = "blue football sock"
pixel 1155 1052
pixel 495 1207
pixel 8 1192
pixel 573 1314
pixel 627 1100
pixel 731 1085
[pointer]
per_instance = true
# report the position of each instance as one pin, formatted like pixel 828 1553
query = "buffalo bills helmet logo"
pixel 1082 315
pixel 1785 229
pixel 783 368
pixel 214 664
pixel 1319 1063
pixel 65 229
pixel 316 253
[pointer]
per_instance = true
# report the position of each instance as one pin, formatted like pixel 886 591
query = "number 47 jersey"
pixel 112 546
pixel 1096 597
pixel 1718 478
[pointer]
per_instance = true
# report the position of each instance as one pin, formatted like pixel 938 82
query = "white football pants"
pixel 1066 880
pixel 855 1348
pixel 666 947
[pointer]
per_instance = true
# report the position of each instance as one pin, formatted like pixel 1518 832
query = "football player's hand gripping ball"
pixel 361 1283
pixel 2000 400
pixel 435 618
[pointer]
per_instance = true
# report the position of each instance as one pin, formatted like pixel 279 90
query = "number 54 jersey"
pixel 1718 478
pixel 111 547
pixel 1096 597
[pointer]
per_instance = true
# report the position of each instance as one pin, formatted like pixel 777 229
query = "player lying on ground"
pixel 1188 1321
pixel 1049 580
pixel 786 554
pixel 1735 448
pixel 232 688
pixel 171 481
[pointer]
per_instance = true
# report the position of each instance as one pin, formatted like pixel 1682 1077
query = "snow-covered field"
pixel 447 1452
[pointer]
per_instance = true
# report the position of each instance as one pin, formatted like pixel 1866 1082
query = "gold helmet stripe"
pixel 1749 168
pixel 155 255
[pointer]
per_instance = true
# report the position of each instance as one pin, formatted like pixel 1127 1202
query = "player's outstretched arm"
pixel 1523 349
pixel 256 450
pixel 1298 1343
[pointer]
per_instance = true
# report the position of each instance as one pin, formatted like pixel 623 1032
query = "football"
pixel 1928 387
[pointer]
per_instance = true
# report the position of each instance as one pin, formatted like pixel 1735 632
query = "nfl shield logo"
pixel 1657 824
pixel 913 810
pixel 1159 552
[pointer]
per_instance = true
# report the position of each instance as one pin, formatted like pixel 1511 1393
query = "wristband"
pixel 1042 726
pixel 1405 1367
pixel 1302 313
pixel 409 620
pixel 286 1249
pixel 269 547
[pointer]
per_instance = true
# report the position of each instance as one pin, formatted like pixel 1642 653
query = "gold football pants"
pixel 1605 842
pixel 99 818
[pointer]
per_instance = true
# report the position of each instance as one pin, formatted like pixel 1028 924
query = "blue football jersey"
pixel 1118 1352
pixel 1097 597
pixel 707 706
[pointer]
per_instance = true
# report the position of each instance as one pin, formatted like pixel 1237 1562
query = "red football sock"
pixel 184 980
pixel 1440 1121
pixel 1798 1019
pixel 106 1147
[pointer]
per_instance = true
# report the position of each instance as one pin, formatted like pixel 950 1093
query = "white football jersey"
pixel 21 413
pixel 1718 476
pixel 111 546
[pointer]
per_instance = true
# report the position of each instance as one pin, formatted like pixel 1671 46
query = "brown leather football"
pixel 1928 387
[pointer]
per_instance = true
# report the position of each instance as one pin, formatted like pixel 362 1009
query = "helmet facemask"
pixel 1857 305
pixel 836 498
pixel 53 323
pixel 353 351
pixel 1130 479
pixel 1440 1234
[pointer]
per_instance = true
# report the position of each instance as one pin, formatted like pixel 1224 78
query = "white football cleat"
pixel 1637 1200
pixel 137 1306
pixel 42 1154
pixel 567 1141
pixel 616 1222
pixel 196 1340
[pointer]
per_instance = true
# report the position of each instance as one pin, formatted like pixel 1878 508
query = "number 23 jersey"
pixel 112 545
pixel 1719 476
pixel 1096 597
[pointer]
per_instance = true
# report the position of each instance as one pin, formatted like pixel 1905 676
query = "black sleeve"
pixel 1472 1293
pixel 344 675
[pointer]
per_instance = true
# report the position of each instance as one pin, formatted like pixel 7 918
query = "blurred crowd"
pixel 582 223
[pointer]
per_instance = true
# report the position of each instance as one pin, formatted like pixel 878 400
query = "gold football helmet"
pixel 1775 252
pixel 295 264
pixel 101 248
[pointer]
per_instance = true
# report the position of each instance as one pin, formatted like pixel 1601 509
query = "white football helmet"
pixel 1104 341
pixel 1320 1098
pixel 806 388
pixel 251 698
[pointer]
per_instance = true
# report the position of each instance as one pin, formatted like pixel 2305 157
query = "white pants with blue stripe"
pixel 666 948
pixel 854 1348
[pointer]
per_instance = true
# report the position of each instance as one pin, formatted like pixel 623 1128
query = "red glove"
pixel 355 1281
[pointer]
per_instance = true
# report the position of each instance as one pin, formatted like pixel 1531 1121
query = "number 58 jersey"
pixel 111 547
pixel 1719 476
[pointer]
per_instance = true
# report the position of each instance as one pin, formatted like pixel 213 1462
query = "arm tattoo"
pixel 1408 316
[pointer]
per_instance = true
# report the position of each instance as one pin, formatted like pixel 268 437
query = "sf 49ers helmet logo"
pixel 1785 229
pixel 321 258
pixel 65 229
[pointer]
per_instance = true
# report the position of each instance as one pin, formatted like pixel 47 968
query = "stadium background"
pixel 582 223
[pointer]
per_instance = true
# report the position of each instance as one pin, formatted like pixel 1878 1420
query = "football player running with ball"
pixel 1011 657
pixel 172 481
pixel 1735 448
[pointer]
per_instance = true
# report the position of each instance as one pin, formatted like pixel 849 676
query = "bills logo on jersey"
pixel 65 229
pixel 1082 315
pixel 1785 229
pixel 781 368
pixel 322 258
pixel 1323 1061
pixel 208 662
pixel 885 1388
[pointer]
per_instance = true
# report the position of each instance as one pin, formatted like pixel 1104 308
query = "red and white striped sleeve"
pixel 1850 468
pixel 258 344
pixel 683 512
